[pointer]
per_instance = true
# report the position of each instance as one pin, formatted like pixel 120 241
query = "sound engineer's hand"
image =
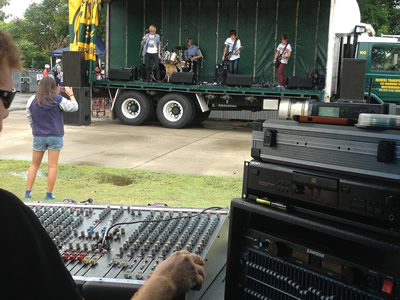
pixel 181 272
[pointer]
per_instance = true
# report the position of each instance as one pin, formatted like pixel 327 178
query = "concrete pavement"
pixel 218 148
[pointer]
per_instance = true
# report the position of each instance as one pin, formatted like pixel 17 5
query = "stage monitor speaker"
pixel 239 80
pixel 124 74
pixel 221 73
pixel 83 115
pixel 298 82
pixel 182 77
pixel 74 69
pixel 352 81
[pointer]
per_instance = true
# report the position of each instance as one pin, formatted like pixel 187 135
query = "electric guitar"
pixel 228 55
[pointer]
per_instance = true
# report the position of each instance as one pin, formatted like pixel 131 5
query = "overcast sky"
pixel 18 7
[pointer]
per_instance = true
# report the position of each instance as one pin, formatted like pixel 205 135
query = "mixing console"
pixel 124 244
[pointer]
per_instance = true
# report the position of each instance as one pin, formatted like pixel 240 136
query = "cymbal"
pixel 181 48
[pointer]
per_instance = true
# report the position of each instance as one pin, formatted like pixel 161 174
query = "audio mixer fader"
pixel 122 245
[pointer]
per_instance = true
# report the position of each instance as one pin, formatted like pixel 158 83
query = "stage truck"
pixel 318 32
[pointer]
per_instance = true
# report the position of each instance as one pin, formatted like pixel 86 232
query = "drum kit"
pixel 172 62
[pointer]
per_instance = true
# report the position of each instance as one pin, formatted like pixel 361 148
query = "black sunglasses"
pixel 7 97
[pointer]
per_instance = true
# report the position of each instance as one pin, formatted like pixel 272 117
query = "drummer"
pixel 192 54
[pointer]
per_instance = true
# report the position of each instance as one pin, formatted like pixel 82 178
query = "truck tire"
pixel 133 108
pixel 175 110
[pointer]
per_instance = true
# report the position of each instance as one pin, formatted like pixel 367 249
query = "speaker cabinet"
pixel 300 82
pixel 74 69
pixel 352 81
pixel 182 77
pixel 239 80
pixel 83 115
pixel 124 74
pixel 221 73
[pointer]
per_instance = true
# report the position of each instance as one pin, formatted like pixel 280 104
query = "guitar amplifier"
pixel 182 77
pixel 124 74
pixel 300 82
pixel 239 80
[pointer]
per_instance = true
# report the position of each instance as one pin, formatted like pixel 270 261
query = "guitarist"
pixel 281 59
pixel 232 50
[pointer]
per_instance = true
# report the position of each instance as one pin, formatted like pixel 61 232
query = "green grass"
pixel 122 186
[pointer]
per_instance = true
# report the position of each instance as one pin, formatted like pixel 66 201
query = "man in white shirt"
pixel 232 50
pixel 151 44
pixel 282 54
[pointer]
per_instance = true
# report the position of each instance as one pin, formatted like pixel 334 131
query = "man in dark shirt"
pixel 31 264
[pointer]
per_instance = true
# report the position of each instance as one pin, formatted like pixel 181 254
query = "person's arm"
pixel 69 105
pixel 198 55
pixel 181 272
pixel 287 54
pixel 225 50
pixel 239 47
pixel 28 109
pixel 276 55
pixel 159 47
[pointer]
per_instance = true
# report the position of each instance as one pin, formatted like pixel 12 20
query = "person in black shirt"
pixel 30 262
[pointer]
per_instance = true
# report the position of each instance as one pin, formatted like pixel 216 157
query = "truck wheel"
pixel 175 111
pixel 133 108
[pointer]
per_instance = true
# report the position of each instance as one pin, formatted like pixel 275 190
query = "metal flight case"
pixel 343 149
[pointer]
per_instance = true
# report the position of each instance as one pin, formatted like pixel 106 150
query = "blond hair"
pixel 152 28
pixel 9 52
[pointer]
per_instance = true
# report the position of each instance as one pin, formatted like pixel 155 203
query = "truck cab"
pixel 383 67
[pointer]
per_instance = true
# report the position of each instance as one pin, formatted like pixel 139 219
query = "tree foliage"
pixel 43 28
pixel 384 15
pixel 2 13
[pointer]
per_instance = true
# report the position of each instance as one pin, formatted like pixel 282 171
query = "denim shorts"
pixel 43 143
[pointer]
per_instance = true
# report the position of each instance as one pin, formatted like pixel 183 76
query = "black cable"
pixel 157 221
